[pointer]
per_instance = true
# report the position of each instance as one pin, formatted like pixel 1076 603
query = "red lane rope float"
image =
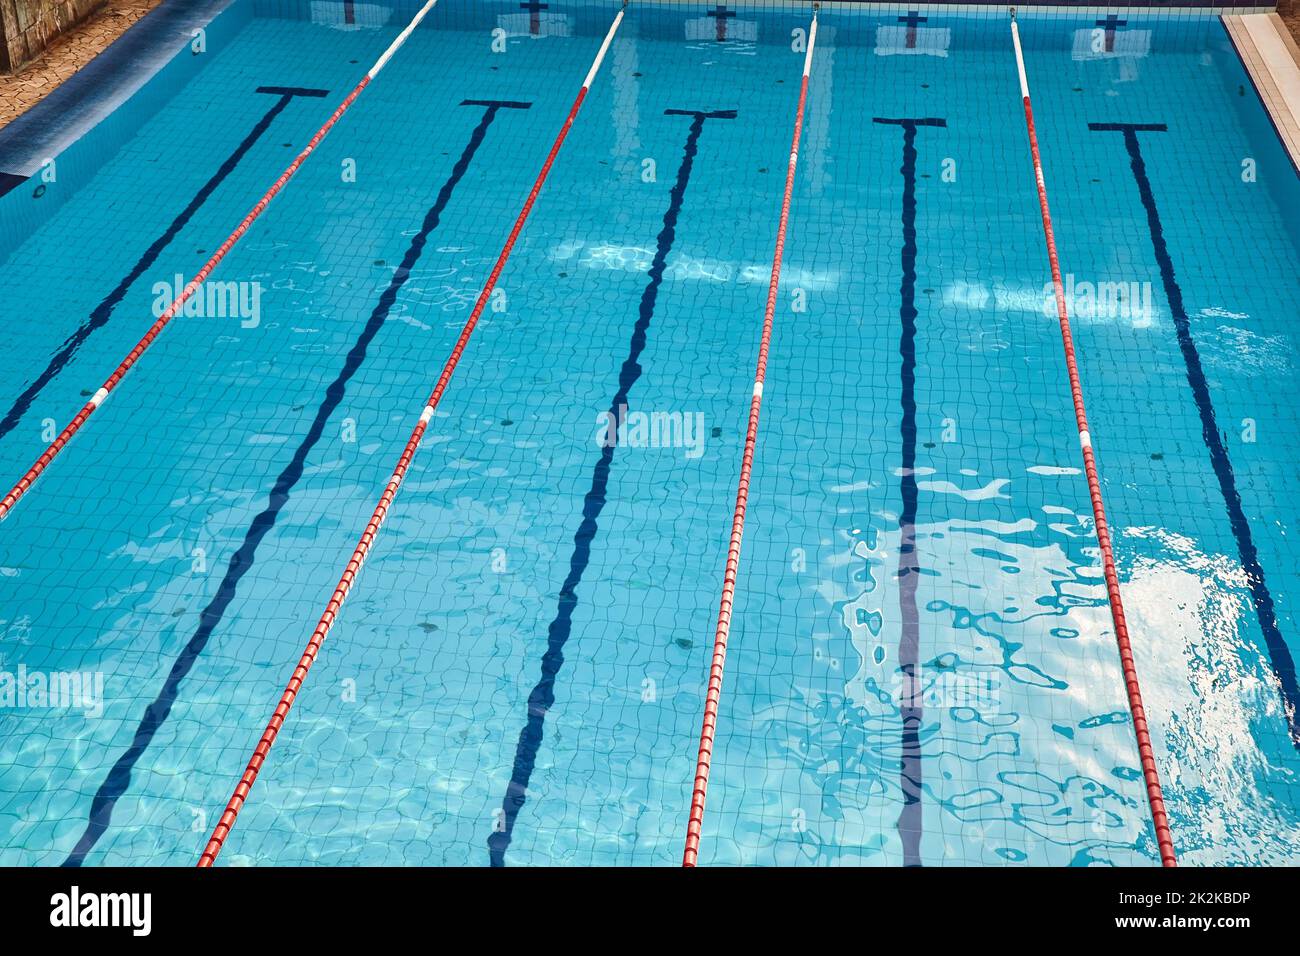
pixel 38 467
pixel 263 748
pixel 1164 836
pixel 710 723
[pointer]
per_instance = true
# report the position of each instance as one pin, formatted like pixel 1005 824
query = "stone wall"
pixel 27 27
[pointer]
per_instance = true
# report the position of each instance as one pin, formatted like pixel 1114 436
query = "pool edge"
pixel 91 94
pixel 1271 59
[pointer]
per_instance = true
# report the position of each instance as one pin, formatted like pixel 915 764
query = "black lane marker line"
pixel 1279 654
pixel 913 20
pixel 543 694
pixel 104 311
pixel 720 15
pixel 911 770
pixel 241 562
pixel 534 8
pixel 1110 25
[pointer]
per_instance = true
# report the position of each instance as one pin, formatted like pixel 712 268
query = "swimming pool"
pixel 520 674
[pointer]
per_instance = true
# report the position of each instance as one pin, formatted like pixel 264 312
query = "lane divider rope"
pixel 709 727
pixel 97 399
pixel 362 550
pixel 1155 797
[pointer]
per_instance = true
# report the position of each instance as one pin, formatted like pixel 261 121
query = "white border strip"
pixel 604 48
pixel 1020 61
pixel 401 38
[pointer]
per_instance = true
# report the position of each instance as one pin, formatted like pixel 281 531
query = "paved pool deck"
pixel 20 91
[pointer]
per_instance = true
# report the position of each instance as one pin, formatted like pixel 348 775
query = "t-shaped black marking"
pixel 703 114
pixel 498 104
pixel 292 91
pixel 913 123
pixel 911 765
pixel 1261 595
pixel 1127 127
pixel 542 696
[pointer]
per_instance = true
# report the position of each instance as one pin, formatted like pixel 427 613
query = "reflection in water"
pixel 1028 747
pixel 594 254
pixel 625 109
pixel 1207 683
pixel 1027 742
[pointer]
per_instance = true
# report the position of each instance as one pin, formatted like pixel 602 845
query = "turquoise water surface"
pixel 519 674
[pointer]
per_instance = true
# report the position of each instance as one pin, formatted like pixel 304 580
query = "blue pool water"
pixel 519 674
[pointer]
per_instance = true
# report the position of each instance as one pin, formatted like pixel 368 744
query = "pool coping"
pixel 1272 59
pixel 81 101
